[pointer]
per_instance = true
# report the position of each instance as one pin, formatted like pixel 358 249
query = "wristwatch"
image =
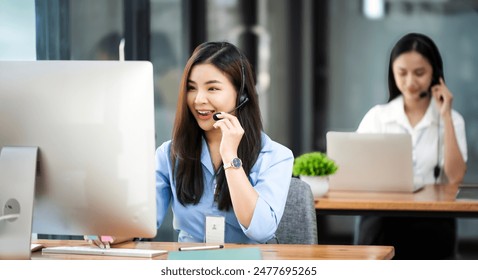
pixel 235 163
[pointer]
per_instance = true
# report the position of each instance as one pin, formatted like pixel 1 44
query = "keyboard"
pixel 117 252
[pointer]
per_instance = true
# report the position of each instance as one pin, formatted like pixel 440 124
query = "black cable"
pixel 437 169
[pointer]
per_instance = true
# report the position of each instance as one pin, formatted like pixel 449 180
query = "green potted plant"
pixel 314 168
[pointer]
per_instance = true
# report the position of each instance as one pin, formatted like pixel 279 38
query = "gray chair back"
pixel 299 221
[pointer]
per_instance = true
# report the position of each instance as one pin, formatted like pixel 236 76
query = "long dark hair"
pixel 187 135
pixel 421 44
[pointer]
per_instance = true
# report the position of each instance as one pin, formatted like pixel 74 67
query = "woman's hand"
pixel 232 133
pixel 104 241
pixel 243 196
pixel 443 97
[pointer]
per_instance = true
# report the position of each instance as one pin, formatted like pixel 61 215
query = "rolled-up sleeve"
pixel 163 188
pixel 271 179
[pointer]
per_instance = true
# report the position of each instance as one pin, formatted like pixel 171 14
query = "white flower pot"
pixel 318 184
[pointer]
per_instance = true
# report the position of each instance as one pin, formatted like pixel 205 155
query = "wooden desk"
pixel 269 251
pixel 432 200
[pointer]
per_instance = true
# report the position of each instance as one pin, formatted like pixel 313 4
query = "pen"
pixel 201 248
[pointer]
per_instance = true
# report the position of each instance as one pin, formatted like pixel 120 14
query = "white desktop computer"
pixel 78 147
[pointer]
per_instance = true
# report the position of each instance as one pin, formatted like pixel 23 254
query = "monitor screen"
pixel 93 124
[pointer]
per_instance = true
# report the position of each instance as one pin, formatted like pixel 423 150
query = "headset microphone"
pixel 215 116
pixel 426 93
pixel 243 95
pixel 423 94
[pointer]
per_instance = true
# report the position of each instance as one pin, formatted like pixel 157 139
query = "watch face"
pixel 236 162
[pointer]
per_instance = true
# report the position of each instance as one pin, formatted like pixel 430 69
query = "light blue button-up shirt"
pixel 270 176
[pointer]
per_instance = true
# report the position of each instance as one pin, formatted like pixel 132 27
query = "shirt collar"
pixel 397 114
pixel 206 156
pixel 431 115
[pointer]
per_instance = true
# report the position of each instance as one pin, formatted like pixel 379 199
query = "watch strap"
pixel 235 163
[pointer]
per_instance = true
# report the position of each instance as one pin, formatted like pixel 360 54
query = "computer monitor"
pixel 93 124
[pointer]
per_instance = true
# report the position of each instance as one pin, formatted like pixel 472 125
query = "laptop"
pixel 372 162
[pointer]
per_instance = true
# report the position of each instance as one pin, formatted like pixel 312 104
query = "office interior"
pixel 320 65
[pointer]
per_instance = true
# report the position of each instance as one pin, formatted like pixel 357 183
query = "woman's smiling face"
pixel 209 91
pixel 413 74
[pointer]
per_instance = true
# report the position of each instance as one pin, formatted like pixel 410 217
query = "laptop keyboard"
pixel 117 252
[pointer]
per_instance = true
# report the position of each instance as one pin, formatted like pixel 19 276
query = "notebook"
pixel 372 162
pixel 467 192
pixel 251 253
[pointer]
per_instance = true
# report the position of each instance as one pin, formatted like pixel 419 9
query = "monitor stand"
pixel 17 190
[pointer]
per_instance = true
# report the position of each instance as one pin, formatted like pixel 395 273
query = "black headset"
pixel 242 91
pixel 243 98
pixel 437 73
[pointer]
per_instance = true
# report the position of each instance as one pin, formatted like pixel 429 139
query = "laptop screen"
pixel 371 161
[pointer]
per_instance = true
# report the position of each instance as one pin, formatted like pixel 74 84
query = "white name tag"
pixel 215 228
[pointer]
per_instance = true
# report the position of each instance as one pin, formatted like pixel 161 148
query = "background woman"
pixel 420 104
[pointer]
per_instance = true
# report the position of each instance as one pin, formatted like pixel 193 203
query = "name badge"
pixel 215 228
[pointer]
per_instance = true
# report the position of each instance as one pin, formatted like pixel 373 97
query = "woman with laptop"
pixel 226 179
pixel 420 104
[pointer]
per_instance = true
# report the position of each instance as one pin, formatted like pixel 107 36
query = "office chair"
pixel 299 221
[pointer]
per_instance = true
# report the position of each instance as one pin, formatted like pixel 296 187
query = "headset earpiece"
pixel 242 91
pixel 243 98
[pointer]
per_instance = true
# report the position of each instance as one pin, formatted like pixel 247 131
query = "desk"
pixel 269 251
pixel 432 200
